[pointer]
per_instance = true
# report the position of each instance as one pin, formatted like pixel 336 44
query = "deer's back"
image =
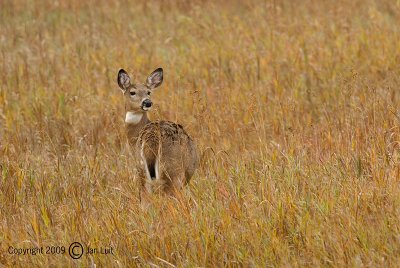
pixel 170 143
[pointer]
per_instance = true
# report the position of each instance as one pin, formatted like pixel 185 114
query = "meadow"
pixel 294 106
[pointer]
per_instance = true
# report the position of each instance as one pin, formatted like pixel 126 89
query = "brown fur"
pixel 166 156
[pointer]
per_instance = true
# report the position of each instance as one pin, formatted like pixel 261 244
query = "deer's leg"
pixel 176 184
pixel 144 190
pixel 145 199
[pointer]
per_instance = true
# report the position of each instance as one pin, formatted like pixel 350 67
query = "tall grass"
pixel 293 104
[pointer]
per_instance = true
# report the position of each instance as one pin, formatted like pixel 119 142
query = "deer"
pixel 166 156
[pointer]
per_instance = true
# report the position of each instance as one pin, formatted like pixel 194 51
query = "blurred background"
pixel 294 106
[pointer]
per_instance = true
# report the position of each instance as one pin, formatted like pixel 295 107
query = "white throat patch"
pixel 133 118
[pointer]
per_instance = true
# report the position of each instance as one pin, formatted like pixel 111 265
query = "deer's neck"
pixel 134 124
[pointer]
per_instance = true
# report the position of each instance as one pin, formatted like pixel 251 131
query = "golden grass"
pixel 294 105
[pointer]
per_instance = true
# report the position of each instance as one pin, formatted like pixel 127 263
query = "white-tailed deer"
pixel 166 156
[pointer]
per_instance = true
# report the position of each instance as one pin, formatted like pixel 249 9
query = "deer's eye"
pixel 148 93
pixel 133 93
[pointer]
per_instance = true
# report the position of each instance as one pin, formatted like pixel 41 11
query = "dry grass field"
pixel 294 105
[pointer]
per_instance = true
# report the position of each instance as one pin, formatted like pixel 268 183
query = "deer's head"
pixel 137 95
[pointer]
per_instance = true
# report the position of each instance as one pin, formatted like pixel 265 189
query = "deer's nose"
pixel 147 103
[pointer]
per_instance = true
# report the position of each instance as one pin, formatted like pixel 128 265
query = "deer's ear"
pixel 124 80
pixel 155 78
